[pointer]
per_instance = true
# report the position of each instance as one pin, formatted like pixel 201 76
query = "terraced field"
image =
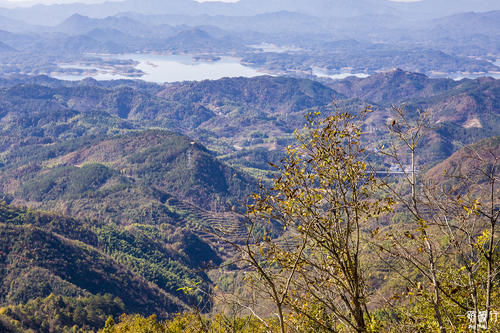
pixel 213 227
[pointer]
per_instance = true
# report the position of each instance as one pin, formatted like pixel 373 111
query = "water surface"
pixel 339 76
pixel 168 68
pixel 173 68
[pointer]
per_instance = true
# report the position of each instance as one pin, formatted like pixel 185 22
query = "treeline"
pixel 60 314
pixel 187 323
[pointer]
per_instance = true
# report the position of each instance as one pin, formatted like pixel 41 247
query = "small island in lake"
pixel 206 58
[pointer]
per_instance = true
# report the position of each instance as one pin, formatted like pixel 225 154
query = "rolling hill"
pixel 44 255
pixel 126 164
pixel 465 170
pixel 244 120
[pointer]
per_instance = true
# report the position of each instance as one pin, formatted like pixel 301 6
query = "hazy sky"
pixel 81 1
pixel 50 1
pixel 26 2
pixel 92 1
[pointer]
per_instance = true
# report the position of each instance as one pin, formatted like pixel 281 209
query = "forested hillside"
pixel 117 194
pixel 139 269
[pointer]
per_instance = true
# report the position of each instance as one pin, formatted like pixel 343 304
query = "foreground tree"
pixel 446 249
pixel 323 199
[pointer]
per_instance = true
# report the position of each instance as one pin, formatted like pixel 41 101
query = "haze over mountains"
pixel 287 42
pixel 322 8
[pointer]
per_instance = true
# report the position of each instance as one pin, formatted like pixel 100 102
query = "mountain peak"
pixel 77 17
pixel 394 85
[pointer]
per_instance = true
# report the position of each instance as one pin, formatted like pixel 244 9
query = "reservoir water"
pixel 168 68
pixel 173 68
pixel 495 75
pixel 322 73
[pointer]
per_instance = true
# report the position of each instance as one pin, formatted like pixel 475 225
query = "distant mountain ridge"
pixel 13 25
pixel 5 48
pixel 79 24
pixel 300 40
pixel 466 103
pixel 470 22
pixel 322 8
pixel 393 86
pixel 252 113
